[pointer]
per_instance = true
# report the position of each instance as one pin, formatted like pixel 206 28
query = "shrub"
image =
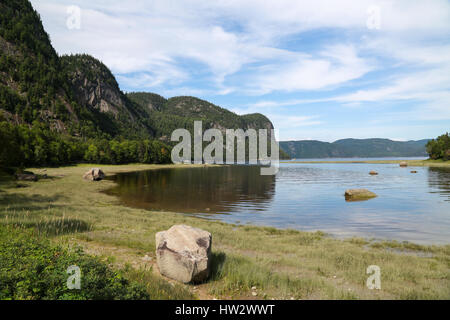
pixel 33 268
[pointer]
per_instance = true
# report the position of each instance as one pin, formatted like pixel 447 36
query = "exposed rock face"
pixel 95 86
pixel 95 174
pixel 403 164
pixel 183 253
pixel 373 173
pixel 358 194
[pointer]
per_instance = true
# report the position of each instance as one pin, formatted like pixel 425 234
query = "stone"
pixel 183 253
pixel 414 171
pixel 373 173
pixel 29 176
pixel 358 194
pixel 95 174
pixel 403 164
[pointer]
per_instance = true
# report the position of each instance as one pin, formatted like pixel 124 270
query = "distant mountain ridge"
pixel 350 148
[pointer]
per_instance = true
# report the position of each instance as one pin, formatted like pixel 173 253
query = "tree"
pixel 439 148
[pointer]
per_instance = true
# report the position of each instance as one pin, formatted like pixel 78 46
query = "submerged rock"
pixel 95 174
pixel 358 194
pixel 183 253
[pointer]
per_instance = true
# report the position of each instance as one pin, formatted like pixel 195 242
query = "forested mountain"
pixel 56 110
pixel 349 148
pixel 166 115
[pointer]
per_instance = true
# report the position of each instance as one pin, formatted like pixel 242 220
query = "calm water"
pixel 411 207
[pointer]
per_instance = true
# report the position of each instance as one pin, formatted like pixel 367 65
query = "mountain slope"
pixel 32 86
pixel 348 148
pixel 73 94
pixel 95 88
pixel 166 115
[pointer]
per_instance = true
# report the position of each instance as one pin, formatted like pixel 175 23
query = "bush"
pixel 32 268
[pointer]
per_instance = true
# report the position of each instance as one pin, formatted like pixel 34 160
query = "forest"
pixel 24 146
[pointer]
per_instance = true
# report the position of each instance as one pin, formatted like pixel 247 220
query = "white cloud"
pixel 136 35
pixel 332 66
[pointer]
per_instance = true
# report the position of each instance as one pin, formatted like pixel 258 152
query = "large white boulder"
pixel 94 174
pixel 183 253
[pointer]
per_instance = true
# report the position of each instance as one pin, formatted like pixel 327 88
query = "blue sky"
pixel 320 69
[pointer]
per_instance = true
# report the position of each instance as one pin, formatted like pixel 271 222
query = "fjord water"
pixel 411 207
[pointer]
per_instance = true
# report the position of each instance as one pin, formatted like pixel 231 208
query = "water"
pixel 355 159
pixel 409 207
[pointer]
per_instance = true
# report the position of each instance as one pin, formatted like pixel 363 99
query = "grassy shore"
pixel 412 163
pixel 281 264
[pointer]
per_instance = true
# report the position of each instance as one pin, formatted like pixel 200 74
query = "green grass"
pixel 281 264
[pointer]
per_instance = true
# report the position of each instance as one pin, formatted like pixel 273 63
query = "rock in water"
pixel 183 253
pixel 403 164
pixel 358 194
pixel 373 173
pixel 95 174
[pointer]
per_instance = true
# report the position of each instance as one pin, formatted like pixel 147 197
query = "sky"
pixel 322 70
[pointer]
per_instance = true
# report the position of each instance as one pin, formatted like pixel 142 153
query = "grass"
pixel 247 260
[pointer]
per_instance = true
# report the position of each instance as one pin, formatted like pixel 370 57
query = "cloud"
pixel 223 38
pixel 332 66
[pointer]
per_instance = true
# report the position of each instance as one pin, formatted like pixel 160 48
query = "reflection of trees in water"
pixel 196 190
pixel 439 178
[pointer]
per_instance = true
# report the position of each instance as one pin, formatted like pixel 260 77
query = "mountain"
pixel 349 148
pixel 166 115
pixel 55 110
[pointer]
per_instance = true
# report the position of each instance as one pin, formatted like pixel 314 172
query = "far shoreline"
pixel 412 163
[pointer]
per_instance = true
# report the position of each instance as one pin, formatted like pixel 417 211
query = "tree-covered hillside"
pixel 349 148
pixel 166 115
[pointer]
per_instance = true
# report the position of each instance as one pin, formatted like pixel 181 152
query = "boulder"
pixel 183 253
pixel 95 174
pixel 358 194
pixel 403 164
pixel 26 176
pixel 373 173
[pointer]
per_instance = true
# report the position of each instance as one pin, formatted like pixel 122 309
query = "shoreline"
pixel 412 163
pixel 280 263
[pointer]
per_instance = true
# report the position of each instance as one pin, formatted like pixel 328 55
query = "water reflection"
pixel 205 190
pixel 412 207
pixel 439 181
